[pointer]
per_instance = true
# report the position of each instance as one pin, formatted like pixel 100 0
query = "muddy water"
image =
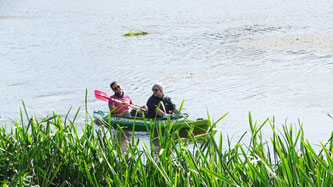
pixel 270 58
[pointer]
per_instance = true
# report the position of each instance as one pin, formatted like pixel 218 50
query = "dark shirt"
pixel 153 102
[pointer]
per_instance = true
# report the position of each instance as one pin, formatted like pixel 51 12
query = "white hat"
pixel 159 85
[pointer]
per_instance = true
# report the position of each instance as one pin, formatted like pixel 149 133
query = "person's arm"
pixel 114 109
pixel 160 112
pixel 173 106
pixel 111 105
pixel 175 111
pixel 144 108
pixel 153 111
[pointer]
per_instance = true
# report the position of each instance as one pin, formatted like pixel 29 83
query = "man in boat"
pixel 160 105
pixel 124 107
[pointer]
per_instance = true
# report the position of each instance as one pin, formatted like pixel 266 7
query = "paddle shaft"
pixel 102 96
pixel 118 101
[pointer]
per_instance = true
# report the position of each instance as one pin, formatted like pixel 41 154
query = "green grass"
pixel 50 152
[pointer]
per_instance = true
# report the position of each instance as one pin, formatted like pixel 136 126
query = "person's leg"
pixel 136 113
pixel 126 113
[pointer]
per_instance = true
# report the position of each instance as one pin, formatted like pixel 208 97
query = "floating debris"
pixel 135 33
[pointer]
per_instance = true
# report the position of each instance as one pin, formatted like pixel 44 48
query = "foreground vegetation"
pixel 51 152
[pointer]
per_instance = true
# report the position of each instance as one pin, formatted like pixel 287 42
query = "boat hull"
pixel 141 124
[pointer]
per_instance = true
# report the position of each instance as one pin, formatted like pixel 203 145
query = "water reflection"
pixel 126 139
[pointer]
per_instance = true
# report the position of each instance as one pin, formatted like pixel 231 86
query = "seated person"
pixel 124 107
pixel 159 99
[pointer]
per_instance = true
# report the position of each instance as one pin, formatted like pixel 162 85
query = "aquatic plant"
pixel 51 152
pixel 135 33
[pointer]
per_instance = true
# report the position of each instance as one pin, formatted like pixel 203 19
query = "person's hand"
pixel 125 104
pixel 144 108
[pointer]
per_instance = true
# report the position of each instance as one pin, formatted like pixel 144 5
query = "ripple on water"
pixel 9 17
pixel 220 56
pixel 189 77
pixel 321 44
pixel 235 33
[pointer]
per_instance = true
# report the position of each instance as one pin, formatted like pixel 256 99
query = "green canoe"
pixel 141 124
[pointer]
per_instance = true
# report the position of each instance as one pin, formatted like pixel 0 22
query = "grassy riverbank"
pixel 50 151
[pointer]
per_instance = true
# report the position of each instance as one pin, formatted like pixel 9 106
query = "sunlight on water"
pixel 270 58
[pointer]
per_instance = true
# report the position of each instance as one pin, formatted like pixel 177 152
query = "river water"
pixel 270 58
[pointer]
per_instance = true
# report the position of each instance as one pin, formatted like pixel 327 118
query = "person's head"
pixel 115 86
pixel 158 89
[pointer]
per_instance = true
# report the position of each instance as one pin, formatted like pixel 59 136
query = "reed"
pixel 50 152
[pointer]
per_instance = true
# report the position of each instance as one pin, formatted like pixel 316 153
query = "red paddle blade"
pixel 101 95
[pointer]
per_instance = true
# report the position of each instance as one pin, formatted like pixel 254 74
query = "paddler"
pixel 121 108
pixel 165 104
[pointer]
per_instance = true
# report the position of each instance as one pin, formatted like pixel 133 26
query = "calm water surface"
pixel 51 51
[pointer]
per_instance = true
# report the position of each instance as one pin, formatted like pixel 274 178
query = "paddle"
pixel 104 97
